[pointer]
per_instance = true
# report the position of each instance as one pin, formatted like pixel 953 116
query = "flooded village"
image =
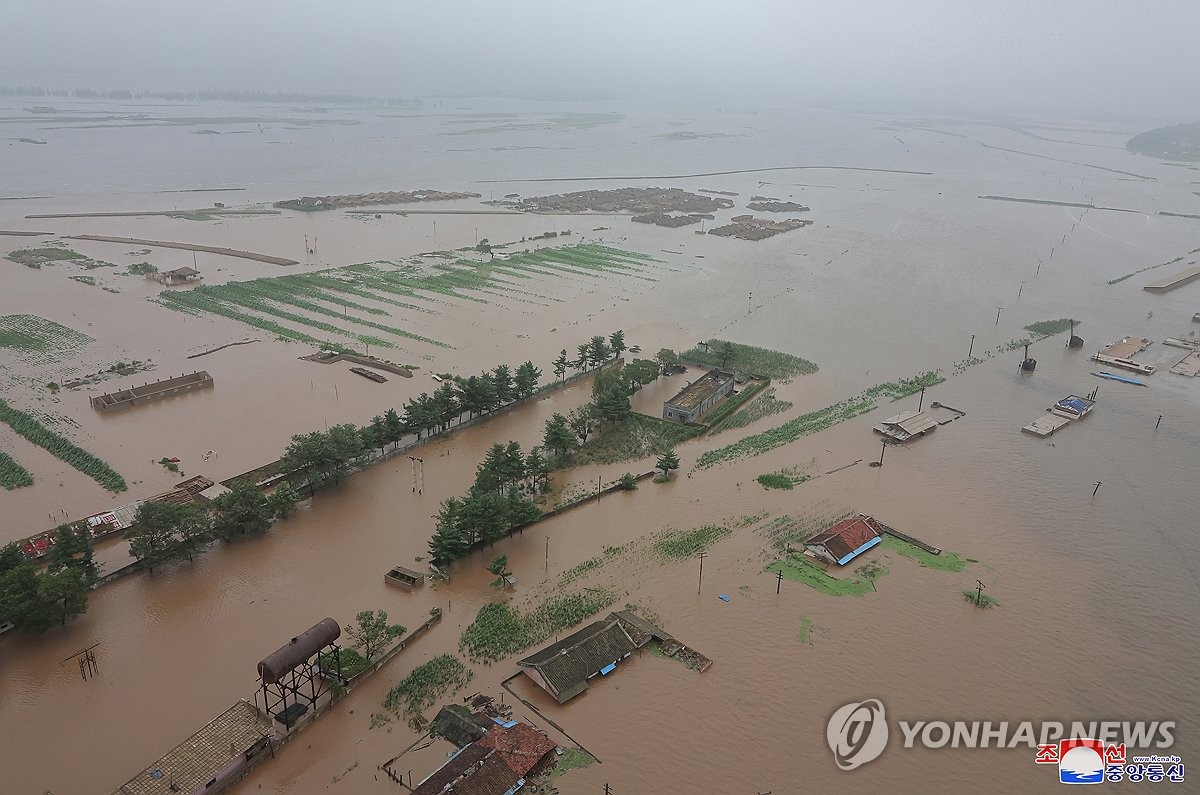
pixel 476 483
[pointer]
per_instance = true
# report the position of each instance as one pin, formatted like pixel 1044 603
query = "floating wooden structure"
pixel 365 373
pixel 405 579
pixel 1192 345
pixel 148 393
pixel 1120 353
pixel 1046 425
pixel 1174 280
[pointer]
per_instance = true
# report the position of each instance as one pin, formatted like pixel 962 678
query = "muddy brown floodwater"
pixel 898 271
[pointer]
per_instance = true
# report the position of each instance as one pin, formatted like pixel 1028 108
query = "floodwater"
pixel 894 277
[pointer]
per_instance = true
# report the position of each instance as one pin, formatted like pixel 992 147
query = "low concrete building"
pixel 183 275
pixel 695 399
pixel 148 393
pixel 906 425
pixel 846 540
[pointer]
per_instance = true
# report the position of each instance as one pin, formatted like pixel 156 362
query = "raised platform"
pixel 1124 364
pixel 1047 424
pixel 1189 365
pixel 211 758
pixel 1174 280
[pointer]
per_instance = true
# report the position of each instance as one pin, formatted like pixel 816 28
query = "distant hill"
pixel 1181 142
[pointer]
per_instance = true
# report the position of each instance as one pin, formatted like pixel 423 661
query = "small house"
pixel 459 725
pixel 404 579
pixel 522 748
pixel 846 540
pixel 906 425
pixel 1073 407
pixel 695 399
pixel 183 275
pixel 473 770
pixel 563 669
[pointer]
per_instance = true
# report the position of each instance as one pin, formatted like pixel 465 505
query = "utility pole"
pixel 1096 489
pixel 972 348
pixel 702 556
pixel 978 593
pixel 1020 289
pixel 1159 422
pixel 778 581
pixel 607 790
pixel 921 402
pixel 881 452
pixel 547 553
pixel 999 309
pixel 597 487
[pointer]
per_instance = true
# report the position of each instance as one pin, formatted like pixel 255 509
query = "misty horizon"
pixel 1114 57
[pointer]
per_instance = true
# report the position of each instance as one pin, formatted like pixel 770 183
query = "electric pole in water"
pixel 547 553
pixel 972 348
pixel 978 593
pixel 999 309
pixel 778 581
pixel 922 400
pixel 1096 489
pixel 702 556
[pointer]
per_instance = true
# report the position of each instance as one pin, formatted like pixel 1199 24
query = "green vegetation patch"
pixel 428 682
pixel 638 436
pixel 90 281
pixel 763 362
pixel 765 406
pixel 1048 328
pixel 501 630
pixel 786 478
pixel 38 341
pixel 678 544
pixel 947 561
pixel 819 420
pixel 12 474
pixel 48 255
pixel 798 569
pixel 61 448
pixel 1130 275
pixel 714 419
pixel 978 599
pixel 353 663
pixel 805 630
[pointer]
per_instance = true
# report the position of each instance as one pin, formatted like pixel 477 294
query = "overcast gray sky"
pixel 1072 55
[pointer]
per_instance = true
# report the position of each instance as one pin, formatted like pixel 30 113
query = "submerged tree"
pixel 667 462
pixel 372 632
pixel 241 511
pixel 499 567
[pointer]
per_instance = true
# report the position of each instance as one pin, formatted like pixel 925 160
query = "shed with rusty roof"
pixel 846 540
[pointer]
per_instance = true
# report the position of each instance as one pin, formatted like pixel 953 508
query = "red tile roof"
pixel 521 747
pixel 847 535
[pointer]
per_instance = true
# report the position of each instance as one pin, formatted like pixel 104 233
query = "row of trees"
pixel 166 533
pixel 36 601
pixel 500 500
pixel 611 390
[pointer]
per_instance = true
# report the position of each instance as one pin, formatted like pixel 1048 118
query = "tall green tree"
pixel 537 468
pixel 582 363
pixel 164 533
pixel 582 421
pixel 446 402
pixel 616 341
pixel 561 364
pixel 499 567
pixel 450 541
pixel 345 446
pixel 639 372
pixel 505 390
pixel 527 379
pixel 598 351
pixel 489 395
pixel 241 511
pixel 372 633
pixel 64 595
pixel 283 500
pixel 558 438
pixel 667 462
pixel 379 432
pixel 393 426
pixel 668 361
pixel 72 547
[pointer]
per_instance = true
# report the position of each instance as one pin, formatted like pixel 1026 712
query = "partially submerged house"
pixel 183 275
pixel 846 540
pixel 906 425
pixel 524 749
pixel 1073 407
pixel 563 669
pixel 460 725
pixel 473 770
pixel 695 399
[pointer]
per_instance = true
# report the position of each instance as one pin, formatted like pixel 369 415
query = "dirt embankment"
pixel 315 203
pixel 634 200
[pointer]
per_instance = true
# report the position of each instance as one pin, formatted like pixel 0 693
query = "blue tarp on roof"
pixel 1075 404
pixel 860 550
pixel 606 670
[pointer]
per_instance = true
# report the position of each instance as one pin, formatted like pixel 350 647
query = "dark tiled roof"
pixel 847 535
pixel 566 665
pixel 454 767
pixel 459 725
pixel 521 747
pixel 492 778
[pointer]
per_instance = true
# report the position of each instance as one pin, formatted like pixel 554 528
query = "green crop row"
pixel 427 683
pixel 61 447
pixel 500 630
pixel 819 420
pixel 750 359
pixel 12 474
